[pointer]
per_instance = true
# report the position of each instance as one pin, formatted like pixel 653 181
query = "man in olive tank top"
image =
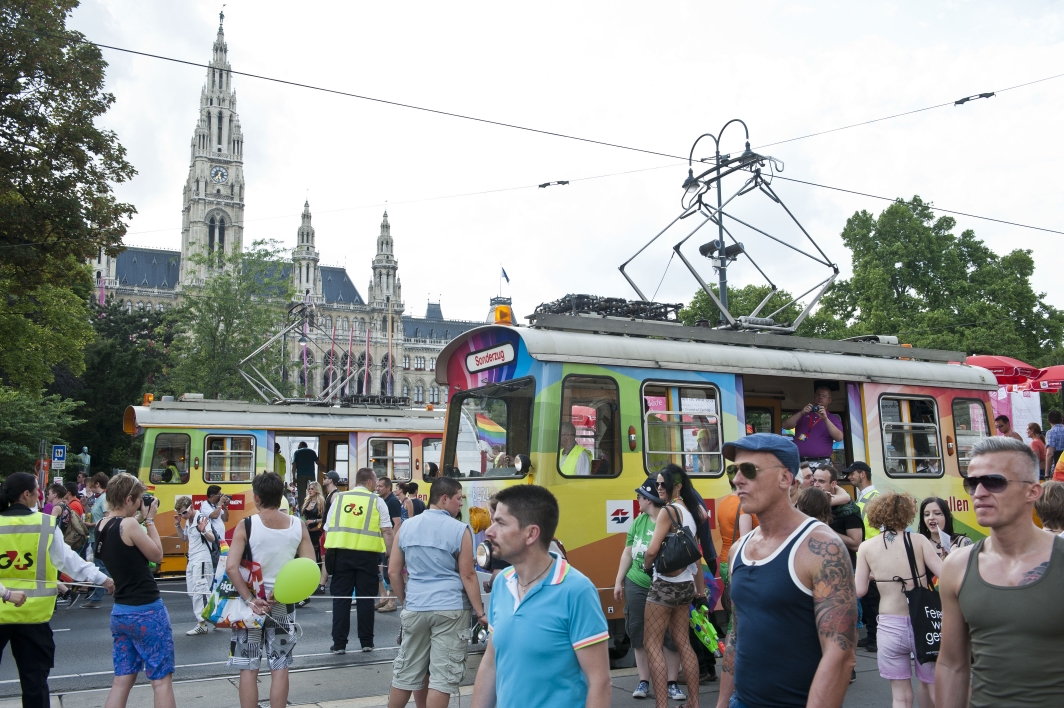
pixel 1003 620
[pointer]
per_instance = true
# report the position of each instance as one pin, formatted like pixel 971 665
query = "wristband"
pixel 7 595
pixel 149 522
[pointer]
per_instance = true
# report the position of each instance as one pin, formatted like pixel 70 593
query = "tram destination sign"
pixel 489 358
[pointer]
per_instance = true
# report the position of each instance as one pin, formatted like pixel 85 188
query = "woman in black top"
pixel 313 514
pixel 140 624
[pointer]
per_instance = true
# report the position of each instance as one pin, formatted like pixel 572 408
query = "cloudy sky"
pixel 461 195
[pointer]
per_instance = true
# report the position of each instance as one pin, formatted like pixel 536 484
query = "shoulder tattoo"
pixel 1034 574
pixel 834 593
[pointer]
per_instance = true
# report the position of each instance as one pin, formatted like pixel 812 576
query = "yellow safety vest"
pixel 26 565
pixel 354 522
pixel 569 466
pixel 869 532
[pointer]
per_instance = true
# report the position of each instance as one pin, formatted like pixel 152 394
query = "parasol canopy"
pixel 1049 379
pixel 1005 368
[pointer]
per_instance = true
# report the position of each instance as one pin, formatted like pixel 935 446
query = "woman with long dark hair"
pixel 670 594
pixel 936 524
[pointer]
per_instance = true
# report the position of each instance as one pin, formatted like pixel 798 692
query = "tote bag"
pixel 679 549
pixel 225 608
pixel 925 611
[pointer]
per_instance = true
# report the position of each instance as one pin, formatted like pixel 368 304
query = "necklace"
pixel 525 585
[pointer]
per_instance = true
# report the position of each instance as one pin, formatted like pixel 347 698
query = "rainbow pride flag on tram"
pixel 489 431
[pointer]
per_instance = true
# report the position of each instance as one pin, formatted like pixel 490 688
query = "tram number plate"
pixel 490 358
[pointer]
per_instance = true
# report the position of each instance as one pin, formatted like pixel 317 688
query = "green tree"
pixel 222 321
pixel 128 355
pixel 56 166
pixel 741 301
pixel 913 277
pixel 27 419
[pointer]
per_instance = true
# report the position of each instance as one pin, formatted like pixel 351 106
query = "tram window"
pixel 487 428
pixel 390 458
pixel 589 427
pixel 229 458
pixel 758 420
pixel 681 425
pixel 169 460
pixel 970 426
pixel 430 452
pixel 910 437
pixel 341 465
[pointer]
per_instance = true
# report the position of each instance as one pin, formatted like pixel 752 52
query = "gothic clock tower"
pixel 212 221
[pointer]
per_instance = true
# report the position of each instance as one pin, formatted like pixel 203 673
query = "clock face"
pixel 219 175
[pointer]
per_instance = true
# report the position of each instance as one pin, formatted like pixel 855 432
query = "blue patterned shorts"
pixel 143 641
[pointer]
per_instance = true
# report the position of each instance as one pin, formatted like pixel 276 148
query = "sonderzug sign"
pixel 490 358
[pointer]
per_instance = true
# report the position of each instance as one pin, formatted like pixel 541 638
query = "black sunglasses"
pixel 749 469
pixel 993 483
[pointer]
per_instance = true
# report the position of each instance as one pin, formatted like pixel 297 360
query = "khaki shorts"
pixel 433 642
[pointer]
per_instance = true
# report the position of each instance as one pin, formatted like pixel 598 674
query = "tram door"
pixel 762 415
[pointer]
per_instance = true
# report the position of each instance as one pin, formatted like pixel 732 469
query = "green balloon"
pixel 296 581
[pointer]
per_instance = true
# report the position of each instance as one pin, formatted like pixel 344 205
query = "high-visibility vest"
pixel 869 531
pixel 569 466
pixel 354 522
pixel 26 565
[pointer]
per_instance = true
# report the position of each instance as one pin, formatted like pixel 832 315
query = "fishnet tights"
pixel 656 619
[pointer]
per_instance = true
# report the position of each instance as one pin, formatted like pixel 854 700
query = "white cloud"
pixel 647 75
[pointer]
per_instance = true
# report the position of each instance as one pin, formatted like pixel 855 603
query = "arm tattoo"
pixel 834 594
pixel 729 645
pixel 1034 574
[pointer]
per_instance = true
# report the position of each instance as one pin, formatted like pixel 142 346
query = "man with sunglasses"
pixel 790 577
pixel 1002 619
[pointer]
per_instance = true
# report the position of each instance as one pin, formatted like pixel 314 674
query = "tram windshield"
pixel 487 428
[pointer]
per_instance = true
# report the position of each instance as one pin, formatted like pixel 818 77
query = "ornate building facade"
pixel 385 351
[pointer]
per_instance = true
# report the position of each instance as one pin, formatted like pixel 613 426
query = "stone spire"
pixel 385 285
pixel 307 276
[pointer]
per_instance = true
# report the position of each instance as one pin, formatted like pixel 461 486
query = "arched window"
pixel 161 307
pixel 210 241
pixel 148 308
pixel 140 306
pixel 406 362
pixel 129 307
pixel 432 364
pixel 221 240
pixel 406 391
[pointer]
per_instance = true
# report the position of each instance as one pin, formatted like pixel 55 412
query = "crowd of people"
pixel 800 560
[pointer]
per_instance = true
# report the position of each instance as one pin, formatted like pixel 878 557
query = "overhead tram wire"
pixel 571 137
pixel 514 126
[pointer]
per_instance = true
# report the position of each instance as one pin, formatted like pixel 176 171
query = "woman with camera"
pixel 140 624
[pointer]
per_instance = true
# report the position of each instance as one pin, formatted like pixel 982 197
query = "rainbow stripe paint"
pixel 489 431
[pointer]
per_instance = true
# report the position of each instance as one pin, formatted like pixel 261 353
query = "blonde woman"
pixel 313 513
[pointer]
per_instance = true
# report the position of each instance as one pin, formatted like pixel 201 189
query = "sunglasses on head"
pixel 992 483
pixel 749 469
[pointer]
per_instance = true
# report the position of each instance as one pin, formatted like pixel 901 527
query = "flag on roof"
pixel 504 274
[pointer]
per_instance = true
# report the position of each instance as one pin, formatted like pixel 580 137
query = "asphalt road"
pixel 83 655
pixel 83 644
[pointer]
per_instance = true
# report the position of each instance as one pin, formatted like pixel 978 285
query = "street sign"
pixel 58 457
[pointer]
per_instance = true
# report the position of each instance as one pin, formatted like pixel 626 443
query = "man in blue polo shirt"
pixel 548 632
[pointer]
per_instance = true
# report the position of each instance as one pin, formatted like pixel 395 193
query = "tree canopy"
pixel 225 319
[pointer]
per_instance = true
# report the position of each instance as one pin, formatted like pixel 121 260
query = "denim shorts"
pixel 143 640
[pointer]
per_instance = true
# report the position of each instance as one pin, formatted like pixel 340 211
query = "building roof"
pixel 434 326
pixel 337 287
pixel 148 268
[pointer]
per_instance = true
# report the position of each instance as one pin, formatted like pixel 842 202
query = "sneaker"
pixel 675 693
pixel 368 648
pixel 320 590
pixel 198 629
pixel 338 648
pixel 381 603
pixel 303 603
pixel 388 606
pixel 864 641
pixel 91 605
pixel 872 647
pixel 853 675
pixel 641 690
pixel 708 676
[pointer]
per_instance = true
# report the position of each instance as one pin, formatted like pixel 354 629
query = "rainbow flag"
pixel 489 431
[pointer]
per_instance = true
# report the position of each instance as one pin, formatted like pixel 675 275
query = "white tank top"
pixel 688 574
pixel 272 548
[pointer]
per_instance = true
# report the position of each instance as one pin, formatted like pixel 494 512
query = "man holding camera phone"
pixel 216 508
pixel 815 429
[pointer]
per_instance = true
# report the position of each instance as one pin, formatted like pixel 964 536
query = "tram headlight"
pixel 484 553
pixel 522 463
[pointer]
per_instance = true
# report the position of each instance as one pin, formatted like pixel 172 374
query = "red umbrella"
pixel 1005 368
pixel 1049 379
